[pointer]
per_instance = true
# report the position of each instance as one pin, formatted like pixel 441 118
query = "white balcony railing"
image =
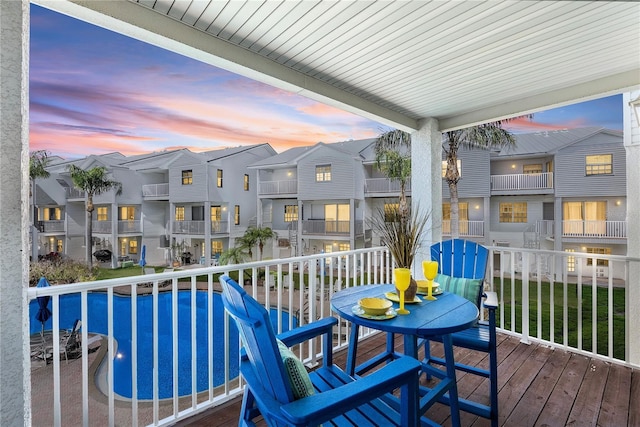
pixel 155 336
pixel 101 227
pixel 571 300
pixel 522 181
pixel 129 226
pixel 602 229
pixel 188 227
pixel 74 193
pixel 384 185
pixel 330 227
pixel 155 190
pixel 466 228
pixel 546 296
pixel 52 226
pixel 289 186
pixel 219 227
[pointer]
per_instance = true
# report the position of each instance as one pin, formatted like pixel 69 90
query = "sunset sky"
pixel 93 91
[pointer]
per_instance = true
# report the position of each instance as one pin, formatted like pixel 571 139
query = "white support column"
pixel 486 217
pixel 426 184
pixel 632 146
pixel 15 362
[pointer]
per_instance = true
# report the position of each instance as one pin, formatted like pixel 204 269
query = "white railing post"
pixel 525 298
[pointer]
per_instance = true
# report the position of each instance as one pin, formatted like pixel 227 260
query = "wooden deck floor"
pixel 538 386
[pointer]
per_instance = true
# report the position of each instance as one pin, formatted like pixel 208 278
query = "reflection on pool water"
pixel 97 323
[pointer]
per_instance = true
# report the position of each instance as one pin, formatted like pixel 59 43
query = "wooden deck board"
pixel 584 412
pixel 537 386
pixel 537 394
pixel 615 401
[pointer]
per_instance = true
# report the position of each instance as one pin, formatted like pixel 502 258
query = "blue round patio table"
pixel 449 313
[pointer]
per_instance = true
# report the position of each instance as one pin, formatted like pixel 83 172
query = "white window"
pixel 323 173
pixel 599 164
pixel 513 212
pixel 290 213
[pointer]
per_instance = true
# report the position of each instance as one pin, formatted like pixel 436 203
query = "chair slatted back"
pixel 460 258
pixel 258 338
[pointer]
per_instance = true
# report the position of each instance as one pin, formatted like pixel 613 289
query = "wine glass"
pixel 403 278
pixel 430 270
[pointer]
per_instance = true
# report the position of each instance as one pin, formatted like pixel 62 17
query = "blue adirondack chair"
pixel 466 259
pixel 336 397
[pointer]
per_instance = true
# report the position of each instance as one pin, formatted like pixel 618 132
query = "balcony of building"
pixel 51 226
pixel 220 227
pixel 129 226
pixel 72 193
pixel 384 187
pixel 155 191
pixel 466 228
pixel 102 227
pixel 188 227
pixel 561 360
pixel 273 188
pixel 594 229
pixel 323 227
pixel 522 183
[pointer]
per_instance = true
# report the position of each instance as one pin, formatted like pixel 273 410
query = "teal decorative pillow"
pixel 301 385
pixel 467 288
pixel 443 280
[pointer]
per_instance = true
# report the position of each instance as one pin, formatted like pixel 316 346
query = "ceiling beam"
pixel 594 89
pixel 138 22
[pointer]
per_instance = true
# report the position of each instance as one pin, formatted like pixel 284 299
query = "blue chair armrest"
pixel 491 300
pixel 331 403
pixel 306 332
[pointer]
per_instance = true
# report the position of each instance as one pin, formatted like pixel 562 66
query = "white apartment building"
pixel 178 204
pixel 559 190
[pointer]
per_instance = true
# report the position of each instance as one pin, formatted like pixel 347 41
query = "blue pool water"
pixel 97 323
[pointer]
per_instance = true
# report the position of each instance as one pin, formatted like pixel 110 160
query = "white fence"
pixel 570 300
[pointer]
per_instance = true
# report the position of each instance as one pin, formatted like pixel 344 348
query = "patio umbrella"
pixel 143 254
pixel 43 313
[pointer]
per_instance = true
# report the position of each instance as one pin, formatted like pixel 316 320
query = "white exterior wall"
pixel 15 363
pixel 632 146
pixel 426 184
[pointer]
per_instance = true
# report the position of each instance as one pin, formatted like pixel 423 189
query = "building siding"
pixel 474 182
pixel 570 178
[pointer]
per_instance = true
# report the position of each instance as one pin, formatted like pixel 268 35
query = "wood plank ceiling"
pixel 462 62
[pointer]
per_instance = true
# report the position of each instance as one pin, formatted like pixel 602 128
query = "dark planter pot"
pixel 410 293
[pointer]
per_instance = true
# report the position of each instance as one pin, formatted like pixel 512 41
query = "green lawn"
pixel 602 302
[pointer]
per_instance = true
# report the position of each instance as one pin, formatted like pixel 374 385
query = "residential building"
pixel 561 190
pixel 179 204
pixel 313 197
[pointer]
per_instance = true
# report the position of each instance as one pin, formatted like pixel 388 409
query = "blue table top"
pixel 449 313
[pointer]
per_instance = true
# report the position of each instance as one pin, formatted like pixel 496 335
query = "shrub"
pixel 60 271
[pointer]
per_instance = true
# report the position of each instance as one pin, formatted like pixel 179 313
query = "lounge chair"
pixel 69 342
pixel 279 388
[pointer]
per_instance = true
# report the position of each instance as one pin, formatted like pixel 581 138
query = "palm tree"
pixel 38 161
pixel 235 255
pixel 93 182
pixel 486 136
pixel 256 236
pixel 393 158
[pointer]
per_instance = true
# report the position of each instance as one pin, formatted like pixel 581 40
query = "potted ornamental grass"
pixel 401 234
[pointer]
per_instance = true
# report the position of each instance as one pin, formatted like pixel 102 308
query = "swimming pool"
pixel 97 323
